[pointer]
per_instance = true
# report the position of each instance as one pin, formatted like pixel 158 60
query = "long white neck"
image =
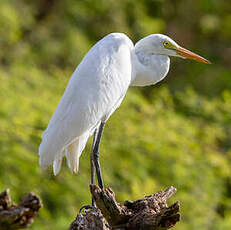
pixel 148 68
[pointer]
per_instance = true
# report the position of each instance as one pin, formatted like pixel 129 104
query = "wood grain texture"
pixel 151 212
pixel 13 216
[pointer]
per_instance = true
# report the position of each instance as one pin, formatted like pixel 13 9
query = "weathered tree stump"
pixel 13 216
pixel 149 213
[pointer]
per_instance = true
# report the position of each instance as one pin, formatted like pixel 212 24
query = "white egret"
pixel 97 88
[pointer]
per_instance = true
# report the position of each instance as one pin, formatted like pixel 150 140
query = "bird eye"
pixel 165 43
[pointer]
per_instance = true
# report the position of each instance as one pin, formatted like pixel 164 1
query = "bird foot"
pixel 86 207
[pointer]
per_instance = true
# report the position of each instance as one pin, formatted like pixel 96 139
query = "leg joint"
pixel 96 155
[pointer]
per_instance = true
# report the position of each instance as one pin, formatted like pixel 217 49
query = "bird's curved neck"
pixel 148 68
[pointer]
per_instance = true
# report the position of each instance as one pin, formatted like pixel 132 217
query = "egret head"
pixel 163 45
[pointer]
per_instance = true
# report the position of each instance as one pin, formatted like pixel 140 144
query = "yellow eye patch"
pixel 168 45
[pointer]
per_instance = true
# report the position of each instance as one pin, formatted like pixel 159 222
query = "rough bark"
pixel 13 216
pixel 151 212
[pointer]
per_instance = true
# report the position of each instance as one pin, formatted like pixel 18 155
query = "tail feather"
pixel 50 154
pixel 57 165
pixel 72 156
pixel 74 151
pixel 49 149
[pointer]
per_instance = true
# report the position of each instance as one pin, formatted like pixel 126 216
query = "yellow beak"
pixel 188 54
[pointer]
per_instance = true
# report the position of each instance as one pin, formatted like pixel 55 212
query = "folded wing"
pixel 94 91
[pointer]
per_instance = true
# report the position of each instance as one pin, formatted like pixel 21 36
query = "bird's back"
pixel 94 91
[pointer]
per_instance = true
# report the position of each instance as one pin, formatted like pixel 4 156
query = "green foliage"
pixel 177 133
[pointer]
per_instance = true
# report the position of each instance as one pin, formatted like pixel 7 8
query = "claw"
pixel 86 207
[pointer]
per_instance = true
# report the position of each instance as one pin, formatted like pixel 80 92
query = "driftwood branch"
pixel 13 216
pixel 151 212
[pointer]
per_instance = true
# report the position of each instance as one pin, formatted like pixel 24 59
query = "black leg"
pixel 92 163
pixel 94 160
pixel 85 207
pixel 96 155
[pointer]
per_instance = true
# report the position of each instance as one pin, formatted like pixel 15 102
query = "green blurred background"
pixel 176 133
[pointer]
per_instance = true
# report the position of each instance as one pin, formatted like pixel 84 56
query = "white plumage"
pixel 96 89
